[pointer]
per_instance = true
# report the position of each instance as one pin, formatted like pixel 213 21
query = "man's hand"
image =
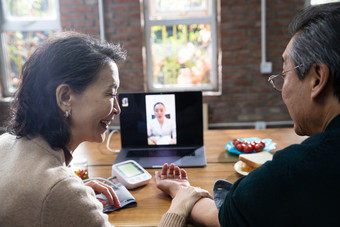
pixel 171 179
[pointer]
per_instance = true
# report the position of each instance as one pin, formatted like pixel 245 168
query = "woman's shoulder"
pixel 6 136
pixel 7 141
pixel 24 141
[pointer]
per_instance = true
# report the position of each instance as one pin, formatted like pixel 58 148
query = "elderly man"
pixel 301 185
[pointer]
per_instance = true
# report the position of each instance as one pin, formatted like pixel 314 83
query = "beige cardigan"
pixel 37 189
pixel 172 220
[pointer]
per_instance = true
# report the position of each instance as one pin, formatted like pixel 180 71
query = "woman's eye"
pixel 113 92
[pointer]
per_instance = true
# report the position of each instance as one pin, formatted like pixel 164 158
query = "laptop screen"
pixel 161 119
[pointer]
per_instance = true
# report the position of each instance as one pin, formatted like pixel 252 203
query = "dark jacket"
pixel 299 187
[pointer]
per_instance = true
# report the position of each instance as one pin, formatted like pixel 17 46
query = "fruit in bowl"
pixel 249 145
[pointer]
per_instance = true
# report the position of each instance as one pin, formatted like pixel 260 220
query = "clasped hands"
pixel 174 181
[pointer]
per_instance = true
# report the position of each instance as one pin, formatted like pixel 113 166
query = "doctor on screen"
pixel 161 129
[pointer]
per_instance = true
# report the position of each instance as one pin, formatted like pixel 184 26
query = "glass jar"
pixel 80 168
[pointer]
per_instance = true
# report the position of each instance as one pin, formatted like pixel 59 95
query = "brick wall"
pixel 246 94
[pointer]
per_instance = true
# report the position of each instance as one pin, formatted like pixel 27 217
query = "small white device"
pixel 130 174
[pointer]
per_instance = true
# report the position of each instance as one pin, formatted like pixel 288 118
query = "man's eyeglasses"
pixel 278 79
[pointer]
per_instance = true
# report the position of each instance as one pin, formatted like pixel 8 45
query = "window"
pixel 181 45
pixel 24 24
pixel 316 2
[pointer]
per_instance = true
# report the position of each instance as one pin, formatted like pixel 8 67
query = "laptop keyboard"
pixel 160 152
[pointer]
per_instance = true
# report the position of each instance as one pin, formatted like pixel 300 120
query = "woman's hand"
pixel 110 194
pixel 171 179
pixel 152 140
pixel 186 198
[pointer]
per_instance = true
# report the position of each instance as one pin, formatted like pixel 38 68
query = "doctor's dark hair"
pixel 158 103
pixel 317 41
pixel 65 58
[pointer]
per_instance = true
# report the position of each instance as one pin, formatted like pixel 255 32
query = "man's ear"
pixel 63 96
pixel 320 79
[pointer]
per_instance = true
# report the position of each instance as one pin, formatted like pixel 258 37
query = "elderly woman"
pixel 67 96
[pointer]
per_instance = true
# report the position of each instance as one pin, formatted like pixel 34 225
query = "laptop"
pixel 158 128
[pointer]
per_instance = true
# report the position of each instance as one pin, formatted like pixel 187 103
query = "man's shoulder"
pixel 319 142
pixel 318 153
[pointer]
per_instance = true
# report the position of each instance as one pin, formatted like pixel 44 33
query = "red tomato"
pixel 258 147
pixel 248 148
pixel 239 147
pixel 262 143
pixel 235 142
pixel 253 144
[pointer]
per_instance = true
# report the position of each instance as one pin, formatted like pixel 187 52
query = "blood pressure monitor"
pixel 130 174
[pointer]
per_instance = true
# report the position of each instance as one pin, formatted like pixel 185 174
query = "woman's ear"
pixel 320 79
pixel 63 96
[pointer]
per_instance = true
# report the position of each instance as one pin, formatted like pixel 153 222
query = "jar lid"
pixel 79 161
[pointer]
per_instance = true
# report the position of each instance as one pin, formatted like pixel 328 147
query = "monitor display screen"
pixel 161 119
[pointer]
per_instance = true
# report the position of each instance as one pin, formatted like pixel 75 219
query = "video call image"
pixel 161 119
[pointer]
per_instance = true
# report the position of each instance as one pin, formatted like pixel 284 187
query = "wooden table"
pixel 152 203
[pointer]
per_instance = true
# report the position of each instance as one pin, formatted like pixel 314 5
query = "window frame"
pixel 26 25
pixel 215 87
pixel 309 2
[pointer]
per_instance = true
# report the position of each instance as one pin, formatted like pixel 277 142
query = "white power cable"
pixel 108 142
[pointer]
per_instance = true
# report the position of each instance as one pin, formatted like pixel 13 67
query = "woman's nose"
pixel 116 107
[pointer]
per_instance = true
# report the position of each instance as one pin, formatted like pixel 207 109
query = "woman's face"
pixel 159 111
pixel 94 109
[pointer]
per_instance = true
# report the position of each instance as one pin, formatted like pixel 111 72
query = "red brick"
pixel 83 9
